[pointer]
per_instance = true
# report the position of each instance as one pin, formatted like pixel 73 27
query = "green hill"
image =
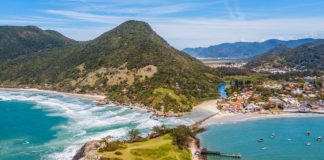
pixel 16 41
pixel 306 57
pixel 130 63
pixel 245 49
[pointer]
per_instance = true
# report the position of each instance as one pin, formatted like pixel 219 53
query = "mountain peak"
pixel 133 31
pixel 133 26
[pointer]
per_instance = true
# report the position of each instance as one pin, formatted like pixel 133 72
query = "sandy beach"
pixel 85 96
pixel 225 118
pixel 219 117
pixel 207 106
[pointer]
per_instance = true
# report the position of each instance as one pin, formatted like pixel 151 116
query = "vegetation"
pixel 180 136
pixel 134 135
pixel 163 144
pixel 19 41
pixel 129 64
pixel 294 76
pixel 160 148
pixel 244 49
pixel 307 57
pixel 230 71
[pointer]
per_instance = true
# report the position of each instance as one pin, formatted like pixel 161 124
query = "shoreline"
pixel 222 118
pixel 232 118
pixel 84 96
pixel 100 99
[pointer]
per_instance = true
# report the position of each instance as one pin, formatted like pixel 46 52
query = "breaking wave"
pixel 86 121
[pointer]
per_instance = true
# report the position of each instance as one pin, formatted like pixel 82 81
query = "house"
pixel 251 107
pixel 297 91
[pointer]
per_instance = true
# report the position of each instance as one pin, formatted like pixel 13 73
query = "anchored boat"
pixel 260 140
pixel 308 133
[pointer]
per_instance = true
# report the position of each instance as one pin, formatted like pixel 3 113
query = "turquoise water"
pixel 51 126
pixel 221 89
pixel 242 138
pixel 23 129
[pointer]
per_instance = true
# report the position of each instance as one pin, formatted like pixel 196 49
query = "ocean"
pixel 289 142
pixel 35 125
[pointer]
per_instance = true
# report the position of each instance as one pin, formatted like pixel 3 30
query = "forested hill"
pixel 16 41
pixel 309 57
pixel 244 49
pixel 130 63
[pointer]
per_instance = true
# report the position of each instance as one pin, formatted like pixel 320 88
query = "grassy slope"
pixel 154 149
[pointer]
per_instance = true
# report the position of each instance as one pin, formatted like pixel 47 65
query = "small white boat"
pixel 289 139
pixel 308 143
pixel 264 148
pixel 273 135
pixel 260 140
pixel 319 138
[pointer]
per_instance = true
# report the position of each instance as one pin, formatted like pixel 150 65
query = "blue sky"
pixel 184 23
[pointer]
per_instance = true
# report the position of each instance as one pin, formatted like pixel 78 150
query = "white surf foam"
pixel 86 121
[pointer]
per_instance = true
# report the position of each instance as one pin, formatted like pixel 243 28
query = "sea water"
pixel 36 125
pixel 289 142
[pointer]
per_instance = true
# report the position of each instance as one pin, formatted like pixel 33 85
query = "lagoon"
pixel 241 137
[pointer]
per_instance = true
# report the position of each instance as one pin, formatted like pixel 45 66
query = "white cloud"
pixel 181 32
pixel 233 8
pixel 87 16
pixel 205 32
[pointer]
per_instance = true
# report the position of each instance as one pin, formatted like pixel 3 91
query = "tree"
pixel 180 135
pixel 160 130
pixel 133 135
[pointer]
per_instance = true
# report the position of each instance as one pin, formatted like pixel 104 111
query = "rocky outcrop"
pixel 89 151
pixel 103 102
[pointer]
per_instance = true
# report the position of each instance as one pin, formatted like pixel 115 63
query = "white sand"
pixel 86 96
pixel 225 118
pixel 207 106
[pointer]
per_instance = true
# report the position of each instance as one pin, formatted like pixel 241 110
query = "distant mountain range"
pixel 309 56
pixel 129 64
pixel 244 49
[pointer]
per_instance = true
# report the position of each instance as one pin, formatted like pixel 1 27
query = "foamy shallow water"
pixel 83 121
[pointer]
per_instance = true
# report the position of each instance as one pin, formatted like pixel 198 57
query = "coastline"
pixel 85 96
pixel 228 118
pixel 220 118
pixel 101 100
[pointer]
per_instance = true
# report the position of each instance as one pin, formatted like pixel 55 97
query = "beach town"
pixel 273 97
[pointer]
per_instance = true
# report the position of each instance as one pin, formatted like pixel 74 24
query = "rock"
pixel 88 151
pixel 102 102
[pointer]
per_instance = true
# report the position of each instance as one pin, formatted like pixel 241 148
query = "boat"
pixel 289 139
pixel 264 148
pixel 308 133
pixel 308 143
pixel 273 135
pixel 260 140
pixel 319 138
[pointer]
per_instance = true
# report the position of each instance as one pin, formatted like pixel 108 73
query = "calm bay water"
pixel 51 126
pixel 242 138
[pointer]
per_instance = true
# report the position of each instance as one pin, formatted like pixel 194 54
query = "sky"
pixel 183 23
